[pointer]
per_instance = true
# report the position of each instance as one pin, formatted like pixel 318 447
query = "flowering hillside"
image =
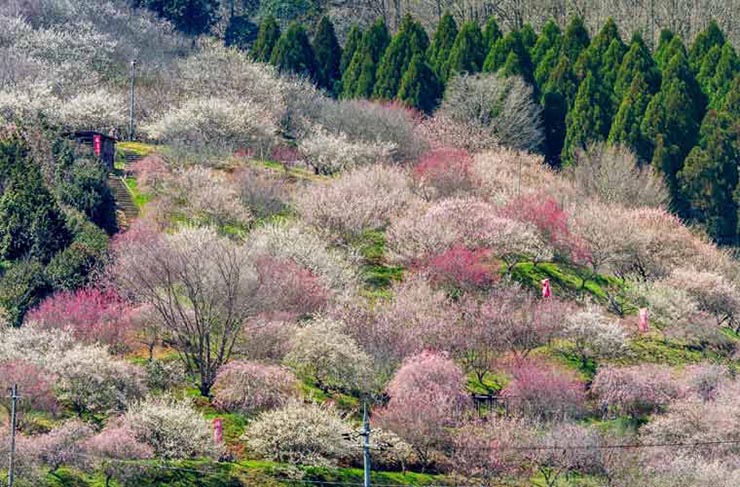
pixel 299 258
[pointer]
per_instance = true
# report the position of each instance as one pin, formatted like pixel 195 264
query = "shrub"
pixel 114 451
pixel 151 173
pixel 364 198
pixel 504 106
pixel 82 261
pixel 329 153
pixel 93 382
pixel 249 387
pixel 635 390
pixel 91 315
pixel 162 376
pixel 304 434
pixel 323 353
pixel 441 173
pixel 544 391
pixel 172 429
pixel 612 175
pixel 427 397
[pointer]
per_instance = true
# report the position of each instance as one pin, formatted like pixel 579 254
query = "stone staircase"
pixel 125 206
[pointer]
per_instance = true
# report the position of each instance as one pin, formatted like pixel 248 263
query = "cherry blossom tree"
pixel 91 315
pixel 635 390
pixel 249 387
pixel 545 391
pixel 113 450
pixel 288 288
pixel 35 384
pixel 595 336
pixel 442 173
pixel 426 397
pixel 462 269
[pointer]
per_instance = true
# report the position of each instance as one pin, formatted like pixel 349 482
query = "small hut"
pixel 104 146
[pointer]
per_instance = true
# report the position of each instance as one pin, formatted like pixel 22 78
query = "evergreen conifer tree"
pixel 673 47
pixel 529 37
pixel 491 33
pixel 267 37
pixel 586 121
pixel 575 39
pixel 592 57
pixel 353 43
pixel 731 103
pixel 438 53
pixel 328 55
pixel 636 60
pixel 625 128
pixel 709 177
pixel 708 67
pixel 293 53
pixel 468 51
pixel 727 68
pixel 360 73
pixel 409 40
pixel 549 38
pixel 664 41
pixel 703 43
pixel 510 43
pixel 420 87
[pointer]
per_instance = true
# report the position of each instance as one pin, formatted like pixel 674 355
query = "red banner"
pixel 97 144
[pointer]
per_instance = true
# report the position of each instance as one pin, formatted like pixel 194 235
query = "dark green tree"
pixel 293 53
pixel 358 80
pixel 586 122
pixel 193 17
pixel 31 222
pixel 592 58
pixel 241 32
pixel 22 286
pixel 671 124
pixel 636 60
pixel 438 53
pixel 510 43
pixel 267 37
pixel 703 43
pixel 410 39
pixel 708 67
pixel 420 87
pixel 529 36
pixel 625 128
pixel 731 103
pixel 709 177
pixel 468 51
pixel 353 43
pixel 673 47
pixel 558 94
pixel 491 33
pixel 727 69
pixel 664 41
pixel 550 38
pixel 328 55
pixel 575 39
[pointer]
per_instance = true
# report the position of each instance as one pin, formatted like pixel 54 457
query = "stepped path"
pixel 127 154
pixel 124 199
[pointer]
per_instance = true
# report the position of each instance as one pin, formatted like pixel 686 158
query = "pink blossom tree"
pixel 545 391
pixel 114 450
pixel 92 315
pixel 443 172
pixel 462 269
pixel 249 387
pixel 635 390
pixel 35 385
pixel 427 396
pixel 289 288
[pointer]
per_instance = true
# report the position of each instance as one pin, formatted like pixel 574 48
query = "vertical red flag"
pixel 218 430
pixel 643 324
pixel 546 291
pixel 97 144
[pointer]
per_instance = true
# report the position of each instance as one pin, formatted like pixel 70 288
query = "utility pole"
pixel 365 433
pixel 13 420
pixel 131 102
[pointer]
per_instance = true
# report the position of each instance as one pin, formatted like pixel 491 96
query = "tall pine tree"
pixel 420 87
pixel 558 95
pixel 293 53
pixel 636 60
pixel 727 68
pixel 592 58
pixel 328 55
pixel 409 40
pixel 708 67
pixel 438 53
pixel 491 33
pixel 358 80
pixel 510 43
pixel 529 36
pixel 709 177
pixel 731 103
pixel 468 51
pixel 703 43
pixel 625 128
pixel 586 122
pixel 267 37
pixel 575 39
pixel 351 45
pixel 549 38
